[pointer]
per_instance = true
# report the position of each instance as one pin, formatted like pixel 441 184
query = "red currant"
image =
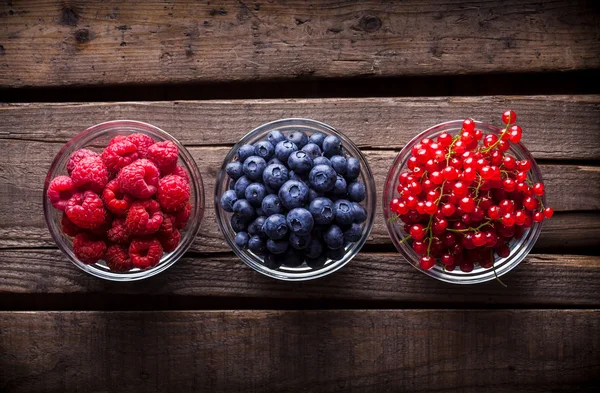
pixel 538 189
pixel 509 117
pixel 515 134
pixel 417 232
pixel 548 212
pixel 426 262
pixel 467 204
pixel 468 125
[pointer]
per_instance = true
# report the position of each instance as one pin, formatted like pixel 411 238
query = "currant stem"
pixel 405 239
pixel 494 268
pixel 487 149
pixel 471 229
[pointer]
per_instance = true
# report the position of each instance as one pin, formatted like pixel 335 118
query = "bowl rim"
pixel 196 184
pixel 515 259
pixel 350 252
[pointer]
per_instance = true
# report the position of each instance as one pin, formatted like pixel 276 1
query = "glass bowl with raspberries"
pixel 123 200
pixel 295 199
pixel 464 201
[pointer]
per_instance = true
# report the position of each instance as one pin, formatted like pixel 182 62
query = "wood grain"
pixel 26 162
pixel 555 127
pixel 541 280
pixel 308 351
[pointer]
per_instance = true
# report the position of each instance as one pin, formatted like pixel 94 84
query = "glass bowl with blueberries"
pixel 295 199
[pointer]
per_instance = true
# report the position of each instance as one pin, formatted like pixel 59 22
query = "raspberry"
pixel 118 233
pixel 170 242
pixel 118 138
pixel 68 227
pixel 144 217
pixel 117 259
pixel 164 155
pixel 145 252
pixel 100 231
pixel 182 217
pixel 168 225
pixel 86 210
pixel 139 179
pixel 60 190
pixel 118 155
pixel 90 173
pixel 115 200
pixel 142 142
pixel 173 193
pixel 77 156
pixel 88 249
pixel 181 172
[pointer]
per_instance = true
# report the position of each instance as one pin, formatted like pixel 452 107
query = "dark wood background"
pixel 379 71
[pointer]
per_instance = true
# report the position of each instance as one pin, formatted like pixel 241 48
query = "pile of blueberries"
pixel 295 199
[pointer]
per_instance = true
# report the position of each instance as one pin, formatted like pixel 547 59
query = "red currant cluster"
pixel 462 201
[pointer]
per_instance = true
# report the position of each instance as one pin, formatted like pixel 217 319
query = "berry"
pixel 173 193
pixel 164 155
pixel 119 155
pixel 275 175
pixel 142 142
pixel 86 210
pixel 181 172
pixel 322 178
pixel 254 167
pixel 77 156
pixel 144 217
pixel 515 134
pixel 299 138
pixel 118 233
pixel 509 117
pixel 145 253
pixel 417 232
pixel 293 193
pixel 117 259
pixel 264 149
pixel 139 179
pixel 170 242
pixel 90 173
pixel 538 189
pixel 182 216
pixel 88 249
pixel 300 221
pixel 68 227
pixel 115 200
pixel 60 190
pixel 548 212
pixel 426 262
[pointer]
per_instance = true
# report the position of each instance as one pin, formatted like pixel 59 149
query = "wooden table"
pixel 378 71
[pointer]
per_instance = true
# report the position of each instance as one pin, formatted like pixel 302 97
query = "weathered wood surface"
pixel 555 127
pixel 25 164
pixel 541 280
pixel 57 43
pixel 309 351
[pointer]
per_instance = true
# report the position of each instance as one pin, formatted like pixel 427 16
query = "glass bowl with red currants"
pixel 464 201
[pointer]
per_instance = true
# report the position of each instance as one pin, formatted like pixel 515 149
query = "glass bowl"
pixel 518 248
pixel 302 272
pixel 96 138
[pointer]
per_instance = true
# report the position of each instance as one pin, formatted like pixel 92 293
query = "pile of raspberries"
pixel 126 205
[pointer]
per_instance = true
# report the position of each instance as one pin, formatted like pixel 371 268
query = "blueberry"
pixel 256 244
pixel 273 261
pixel 300 221
pixel 312 194
pixel 316 263
pixel 356 191
pixel 244 209
pixel 340 186
pixel 353 233
pixel 360 214
pixel 322 178
pixel 284 149
pixel 255 228
pixel 254 167
pixel 264 149
pixel 300 162
pixel 334 237
pixel 244 152
pixel 277 246
pixel 293 193
pixel 274 161
pixel 321 160
pixel 352 168
pixel 314 249
pixel 344 212
pixel 237 223
pixel 339 164
pixel 234 170
pixel 332 145
pixel 271 205
pixel 275 175
pixel 241 239
pixel 240 186
pixel 322 210
pixel 312 150
pixel 227 200
pixel 317 138
pixel 336 254
pixel 299 138
pixel 255 193
pixel 275 227
pixel 275 137
pixel 299 242
pixel 291 258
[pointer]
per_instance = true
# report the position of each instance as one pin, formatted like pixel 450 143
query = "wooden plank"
pixel 542 279
pixel 555 127
pixel 53 43
pixel 26 163
pixel 308 351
